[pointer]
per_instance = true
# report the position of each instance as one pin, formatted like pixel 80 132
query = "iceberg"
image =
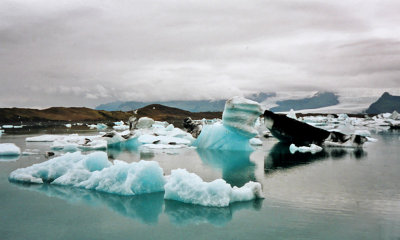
pixel 238 120
pixel 9 149
pixel 94 172
pixel 301 133
pixel 189 188
pixel 144 122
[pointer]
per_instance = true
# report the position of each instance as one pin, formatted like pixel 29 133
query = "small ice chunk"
pixel 291 114
pixel 8 126
pixel 190 188
pixel 363 132
pixel 68 125
pixel 119 123
pixel 255 141
pixel 395 115
pixel 101 126
pixel 121 127
pixel 144 122
pixel 169 127
pixel 9 149
pixel 43 138
pixel 303 149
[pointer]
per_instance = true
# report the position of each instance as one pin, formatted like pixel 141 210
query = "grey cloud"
pixel 91 52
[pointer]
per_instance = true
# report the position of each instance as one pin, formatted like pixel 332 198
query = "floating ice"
pixel 9 149
pixel 121 127
pixel 256 142
pixel 43 138
pixel 189 188
pixel 68 125
pixel 7 126
pixel 119 123
pixel 94 171
pixel 220 137
pixel 241 114
pixel 28 152
pixel 303 149
pixel 99 126
pixel 292 114
pixel 239 117
pixel 144 122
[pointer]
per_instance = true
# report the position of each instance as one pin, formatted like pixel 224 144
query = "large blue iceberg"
pixel 95 172
pixel 236 130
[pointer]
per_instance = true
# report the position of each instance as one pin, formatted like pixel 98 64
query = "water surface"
pixel 334 194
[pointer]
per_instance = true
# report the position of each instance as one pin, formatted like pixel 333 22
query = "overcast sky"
pixel 84 53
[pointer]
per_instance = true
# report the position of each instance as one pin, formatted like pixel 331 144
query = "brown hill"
pixel 173 115
pixel 75 114
pixel 10 115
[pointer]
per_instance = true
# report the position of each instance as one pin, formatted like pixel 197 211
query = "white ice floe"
pixel 256 142
pixel 119 123
pixel 9 149
pixel 291 114
pixel 28 152
pixel 99 126
pixel 303 149
pixel 7 126
pixel 68 125
pixel 362 132
pixel 145 122
pixel 43 138
pixel 190 188
pixel 121 127
pixel 95 172
pixel 237 127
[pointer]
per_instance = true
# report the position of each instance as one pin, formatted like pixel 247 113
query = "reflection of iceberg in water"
pixel 145 208
pixel 237 169
pixel 130 148
pixel 184 214
pixel 9 158
pixel 280 156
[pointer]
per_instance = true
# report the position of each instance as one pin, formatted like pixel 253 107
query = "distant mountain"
pixel 192 106
pixel 386 103
pixel 319 100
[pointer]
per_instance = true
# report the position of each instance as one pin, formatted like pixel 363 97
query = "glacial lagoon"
pixel 333 194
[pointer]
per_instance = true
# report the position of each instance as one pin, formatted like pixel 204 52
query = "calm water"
pixel 334 194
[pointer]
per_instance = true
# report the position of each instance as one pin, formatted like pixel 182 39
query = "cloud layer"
pixel 83 53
